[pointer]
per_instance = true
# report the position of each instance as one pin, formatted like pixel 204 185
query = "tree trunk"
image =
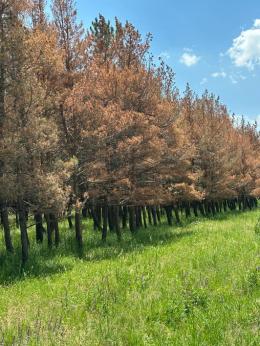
pixel 70 221
pixel 149 215
pixel 132 220
pixel 187 210
pixel 38 227
pixel 105 222
pixel 217 207
pixel 124 216
pixel 78 230
pixel 158 214
pixel 138 217
pixel 212 206
pixel 23 230
pixel 49 230
pixel 56 230
pixel 144 217
pixel 117 225
pixel 7 234
pixel 176 213
pixel 225 206
pixel 168 210
pixel 110 219
pixel 201 208
pixel 153 211
pixel 195 210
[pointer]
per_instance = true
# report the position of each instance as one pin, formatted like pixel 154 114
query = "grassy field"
pixel 197 284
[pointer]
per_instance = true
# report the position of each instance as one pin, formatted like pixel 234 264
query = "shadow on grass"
pixel 45 262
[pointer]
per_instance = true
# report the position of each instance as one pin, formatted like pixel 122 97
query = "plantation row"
pixel 92 125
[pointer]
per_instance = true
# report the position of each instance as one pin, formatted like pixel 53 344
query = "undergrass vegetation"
pixel 194 284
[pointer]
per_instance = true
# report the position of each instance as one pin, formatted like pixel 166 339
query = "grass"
pixel 197 284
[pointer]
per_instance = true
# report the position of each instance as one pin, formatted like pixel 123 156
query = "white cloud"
pixel 204 81
pixel 189 59
pixel 219 74
pixel 245 50
pixel 165 55
pixel 257 23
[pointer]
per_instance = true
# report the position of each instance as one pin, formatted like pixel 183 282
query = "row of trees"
pixel 90 124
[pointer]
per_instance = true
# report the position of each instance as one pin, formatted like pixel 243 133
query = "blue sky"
pixel 213 44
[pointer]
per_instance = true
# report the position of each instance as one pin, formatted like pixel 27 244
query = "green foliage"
pixel 195 284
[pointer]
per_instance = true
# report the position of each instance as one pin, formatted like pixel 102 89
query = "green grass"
pixel 197 284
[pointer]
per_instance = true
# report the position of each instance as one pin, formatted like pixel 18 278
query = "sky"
pixel 210 44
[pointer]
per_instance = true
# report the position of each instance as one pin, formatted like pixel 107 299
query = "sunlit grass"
pixel 197 284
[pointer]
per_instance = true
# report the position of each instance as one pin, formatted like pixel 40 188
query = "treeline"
pixel 91 125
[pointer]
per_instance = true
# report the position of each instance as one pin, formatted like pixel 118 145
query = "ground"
pixel 196 284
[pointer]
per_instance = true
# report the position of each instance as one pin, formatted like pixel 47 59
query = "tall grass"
pixel 196 284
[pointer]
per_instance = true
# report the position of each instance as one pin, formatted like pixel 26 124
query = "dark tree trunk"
pixel 225 206
pixel 158 214
pixel 78 230
pixel 16 218
pixel 138 217
pixel 176 213
pixel 110 219
pixel 96 216
pixel 39 227
pixel 144 217
pixel 217 207
pixel 207 208
pixel 153 211
pixel 201 209
pixel 105 222
pixel 239 204
pixel 132 220
pixel 49 230
pixel 70 221
pixel 124 217
pixel 56 230
pixel 187 210
pixel 117 225
pixel 168 210
pixel 212 206
pixel 248 203
pixel 7 234
pixel 23 230
pixel 195 210
pixel 84 212
pixel 149 215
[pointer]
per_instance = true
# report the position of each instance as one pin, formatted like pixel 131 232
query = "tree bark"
pixel 49 230
pixel 176 213
pixel 158 214
pixel 117 225
pixel 55 226
pixel 124 216
pixel 7 234
pixel 153 211
pixel 78 230
pixel 132 220
pixel 144 217
pixel 149 215
pixel 168 210
pixel 38 227
pixel 69 217
pixel 23 230
pixel 105 222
